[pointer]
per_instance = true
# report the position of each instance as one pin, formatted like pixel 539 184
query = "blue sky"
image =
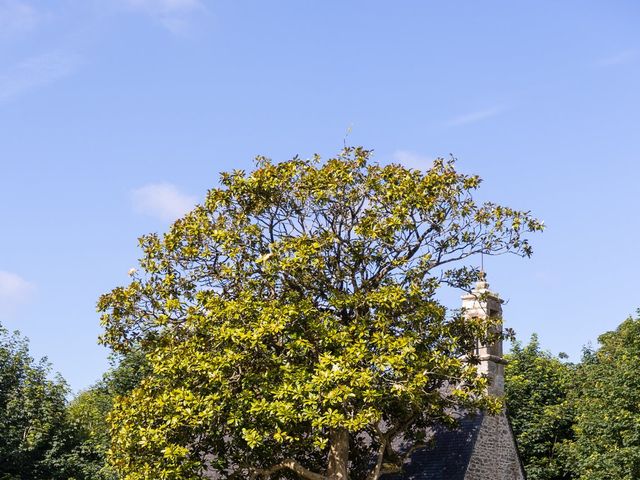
pixel 117 115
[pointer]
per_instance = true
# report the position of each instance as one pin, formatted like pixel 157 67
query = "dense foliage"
pixel 294 310
pixel 578 421
pixel 89 411
pixel 537 387
pixel 607 403
pixel 36 440
pixel 42 435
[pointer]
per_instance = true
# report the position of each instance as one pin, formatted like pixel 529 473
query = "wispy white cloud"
pixel 162 200
pixel 476 116
pixel 13 290
pixel 175 15
pixel 166 6
pixel 35 72
pixel 619 58
pixel 16 17
pixel 412 159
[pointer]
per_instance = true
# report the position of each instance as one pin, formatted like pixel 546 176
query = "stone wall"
pixel 494 454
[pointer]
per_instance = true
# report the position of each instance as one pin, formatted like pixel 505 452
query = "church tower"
pixel 483 303
pixel 483 447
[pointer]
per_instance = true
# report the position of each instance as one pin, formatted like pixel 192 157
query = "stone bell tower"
pixel 483 447
pixel 483 303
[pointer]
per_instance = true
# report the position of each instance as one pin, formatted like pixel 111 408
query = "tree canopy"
pixel 37 441
pixel 607 403
pixel 537 392
pixel 89 410
pixel 42 435
pixel 292 325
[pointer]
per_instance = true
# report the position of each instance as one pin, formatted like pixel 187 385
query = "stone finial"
pixel 483 303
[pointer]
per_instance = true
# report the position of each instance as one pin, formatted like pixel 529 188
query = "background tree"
pixel 88 413
pixel 37 441
pixel 537 387
pixel 607 403
pixel 89 410
pixel 292 325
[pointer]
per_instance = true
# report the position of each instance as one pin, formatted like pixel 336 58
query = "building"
pixel 483 447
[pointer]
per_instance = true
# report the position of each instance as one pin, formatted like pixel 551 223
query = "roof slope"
pixel 448 455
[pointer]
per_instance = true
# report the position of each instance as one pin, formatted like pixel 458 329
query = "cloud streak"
pixel 35 72
pixel 475 117
pixel 165 6
pixel 13 290
pixel 412 159
pixel 162 200
pixel 620 58
pixel 16 17
pixel 175 15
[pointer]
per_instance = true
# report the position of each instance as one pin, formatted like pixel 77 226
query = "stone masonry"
pixel 495 455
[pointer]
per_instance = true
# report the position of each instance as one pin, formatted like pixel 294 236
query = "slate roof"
pixel 448 455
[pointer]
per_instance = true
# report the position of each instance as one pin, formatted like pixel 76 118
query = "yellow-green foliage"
pixel 297 301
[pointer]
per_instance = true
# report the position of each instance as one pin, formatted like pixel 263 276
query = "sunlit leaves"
pixel 297 301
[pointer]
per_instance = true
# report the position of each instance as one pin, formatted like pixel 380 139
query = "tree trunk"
pixel 338 455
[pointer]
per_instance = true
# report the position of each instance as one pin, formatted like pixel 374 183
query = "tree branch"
pixel 292 465
pixel 375 472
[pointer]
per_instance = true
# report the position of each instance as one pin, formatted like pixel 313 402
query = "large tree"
pixel 292 324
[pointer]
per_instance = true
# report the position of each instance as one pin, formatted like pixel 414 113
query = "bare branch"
pixel 377 470
pixel 292 465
